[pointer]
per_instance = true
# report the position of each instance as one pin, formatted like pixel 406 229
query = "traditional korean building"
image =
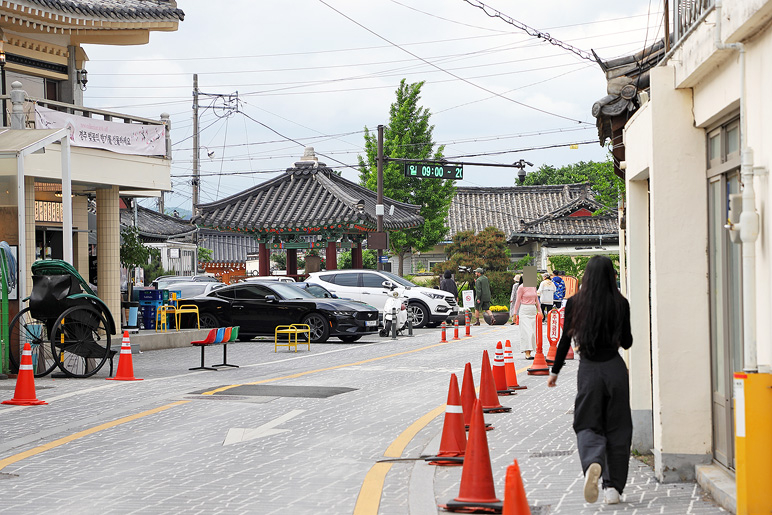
pixel 310 206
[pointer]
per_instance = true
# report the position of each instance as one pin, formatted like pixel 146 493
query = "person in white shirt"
pixel 546 294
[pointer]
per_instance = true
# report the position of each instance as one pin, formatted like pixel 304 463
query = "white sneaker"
pixel 611 495
pixel 591 482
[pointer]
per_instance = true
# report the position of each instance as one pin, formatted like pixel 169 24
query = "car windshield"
pixel 289 291
pixel 397 279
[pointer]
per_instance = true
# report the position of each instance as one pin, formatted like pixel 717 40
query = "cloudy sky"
pixel 317 72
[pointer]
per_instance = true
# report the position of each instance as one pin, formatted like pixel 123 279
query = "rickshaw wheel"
pixel 26 328
pixel 80 341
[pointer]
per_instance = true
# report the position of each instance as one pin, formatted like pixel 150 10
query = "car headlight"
pixel 343 313
pixel 436 296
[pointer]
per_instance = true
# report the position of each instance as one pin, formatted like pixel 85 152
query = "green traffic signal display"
pixel 434 171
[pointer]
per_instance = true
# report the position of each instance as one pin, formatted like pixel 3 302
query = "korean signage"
pixel 48 211
pixel 434 171
pixel 123 138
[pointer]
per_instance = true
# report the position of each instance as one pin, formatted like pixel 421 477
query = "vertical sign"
pixel 467 297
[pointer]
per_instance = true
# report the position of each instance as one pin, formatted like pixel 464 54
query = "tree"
pixel 205 255
pixel 606 186
pixel 369 259
pixel 486 249
pixel 134 253
pixel 408 135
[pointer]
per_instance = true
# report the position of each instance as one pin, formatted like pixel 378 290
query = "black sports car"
pixel 259 307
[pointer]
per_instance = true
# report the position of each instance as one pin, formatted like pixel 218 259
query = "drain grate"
pixel 271 390
pixel 550 454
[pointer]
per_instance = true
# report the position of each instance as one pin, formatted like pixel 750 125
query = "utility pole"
pixel 195 182
pixel 379 202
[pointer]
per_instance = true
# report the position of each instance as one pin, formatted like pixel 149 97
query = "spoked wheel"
pixel 80 341
pixel 208 321
pixel 320 330
pixel 26 328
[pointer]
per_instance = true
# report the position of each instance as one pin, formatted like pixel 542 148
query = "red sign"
pixel 555 324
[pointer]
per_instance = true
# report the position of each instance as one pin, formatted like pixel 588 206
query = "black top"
pixel 601 352
pixel 449 285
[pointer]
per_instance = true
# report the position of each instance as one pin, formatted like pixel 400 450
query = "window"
pixel 346 279
pixel 372 281
pixel 723 147
pixel 253 292
pixel 229 293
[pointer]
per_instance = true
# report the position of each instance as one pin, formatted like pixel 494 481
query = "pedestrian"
pixel 525 307
pixel 517 280
pixel 546 293
pixel 598 319
pixel 560 289
pixel 482 296
pixel 449 285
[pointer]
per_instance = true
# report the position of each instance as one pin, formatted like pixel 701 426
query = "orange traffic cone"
pixel 570 354
pixel 499 374
pixel 125 364
pixel 24 395
pixel 539 366
pixel 453 442
pixel 469 396
pixel 488 396
pixel 509 369
pixel 477 491
pixel 515 502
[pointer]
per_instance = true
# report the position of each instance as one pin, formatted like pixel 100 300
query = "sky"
pixel 317 72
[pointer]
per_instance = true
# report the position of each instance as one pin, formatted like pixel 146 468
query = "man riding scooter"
pixel 396 302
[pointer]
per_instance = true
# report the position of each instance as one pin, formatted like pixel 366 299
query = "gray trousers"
pixel 602 420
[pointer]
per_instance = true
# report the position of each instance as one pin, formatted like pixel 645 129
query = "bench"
pixel 221 335
pixel 290 331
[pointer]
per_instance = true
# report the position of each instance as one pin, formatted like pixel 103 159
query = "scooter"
pixel 396 301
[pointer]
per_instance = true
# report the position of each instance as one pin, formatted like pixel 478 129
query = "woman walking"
pixel 598 319
pixel 525 307
pixel 517 280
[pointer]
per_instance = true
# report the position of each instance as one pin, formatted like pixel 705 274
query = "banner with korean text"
pixel 123 138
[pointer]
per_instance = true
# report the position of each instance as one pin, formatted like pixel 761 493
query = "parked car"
pixel 317 290
pixel 263 278
pixel 163 282
pixel 192 289
pixel 426 306
pixel 258 307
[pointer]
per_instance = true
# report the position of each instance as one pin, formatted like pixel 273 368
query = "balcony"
pixel 688 13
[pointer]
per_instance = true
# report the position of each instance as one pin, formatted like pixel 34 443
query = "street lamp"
pixel 82 79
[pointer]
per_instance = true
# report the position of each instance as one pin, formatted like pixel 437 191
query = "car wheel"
pixel 349 339
pixel 320 329
pixel 418 313
pixel 208 321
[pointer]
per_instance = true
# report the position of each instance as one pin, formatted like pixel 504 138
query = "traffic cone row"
pixel 453 442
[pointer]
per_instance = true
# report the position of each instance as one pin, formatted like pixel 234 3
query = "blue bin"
pixel 148 316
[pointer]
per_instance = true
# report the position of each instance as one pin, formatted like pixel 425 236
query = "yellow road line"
pixel 67 439
pixel 369 498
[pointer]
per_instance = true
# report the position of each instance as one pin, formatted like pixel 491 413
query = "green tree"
pixel 280 258
pixel 606 186
pixel 134 253
pixel 369 259
pixel 486 249
pixel 205 255
pixel 408 135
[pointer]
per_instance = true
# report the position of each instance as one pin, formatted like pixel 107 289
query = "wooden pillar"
pixel 331 257
pixel 356 255
pixel 292 261
pixel 263 259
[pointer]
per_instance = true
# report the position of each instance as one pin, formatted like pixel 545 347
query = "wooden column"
pixel 292 261
pixel 263 259
pixel 331 257
pixel 356 255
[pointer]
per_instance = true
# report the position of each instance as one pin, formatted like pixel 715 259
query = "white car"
pixel 426 306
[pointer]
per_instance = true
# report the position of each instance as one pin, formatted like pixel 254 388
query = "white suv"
pixel 426 306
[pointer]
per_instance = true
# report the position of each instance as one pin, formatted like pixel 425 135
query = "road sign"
pixel 467 297
pixel 383 259
pixel 434 171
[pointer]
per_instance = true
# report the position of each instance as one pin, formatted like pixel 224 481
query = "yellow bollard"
pixel 753 442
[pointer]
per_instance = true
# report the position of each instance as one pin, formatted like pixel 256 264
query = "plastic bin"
pixel 152 295
pixel 148 316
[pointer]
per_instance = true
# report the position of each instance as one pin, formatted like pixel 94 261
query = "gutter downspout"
pixel 749 218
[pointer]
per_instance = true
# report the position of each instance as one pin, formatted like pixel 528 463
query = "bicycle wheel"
pixel 25 328
pixel 80 341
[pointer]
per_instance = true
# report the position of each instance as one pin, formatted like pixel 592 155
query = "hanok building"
pixel 309 207
pixel 538 221
pixel 59 153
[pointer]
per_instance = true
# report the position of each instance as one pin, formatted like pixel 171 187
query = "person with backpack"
pixel 560 289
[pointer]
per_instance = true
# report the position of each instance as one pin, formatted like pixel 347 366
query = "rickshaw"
pixel 66 324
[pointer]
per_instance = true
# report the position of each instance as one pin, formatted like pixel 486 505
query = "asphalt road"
pixel 297 433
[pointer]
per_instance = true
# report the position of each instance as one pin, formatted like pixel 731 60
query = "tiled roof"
pixel 227 246
pixel 154 225
pixel 308 195
pixel 561 225
pixel 474 209
pixel 116 10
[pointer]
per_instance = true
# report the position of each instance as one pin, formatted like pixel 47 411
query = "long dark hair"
pixel 598 307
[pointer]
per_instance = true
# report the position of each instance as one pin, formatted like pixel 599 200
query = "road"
pixel 297 433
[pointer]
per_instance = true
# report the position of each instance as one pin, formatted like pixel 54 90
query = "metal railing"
pixel 687 13
pixel 87 112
